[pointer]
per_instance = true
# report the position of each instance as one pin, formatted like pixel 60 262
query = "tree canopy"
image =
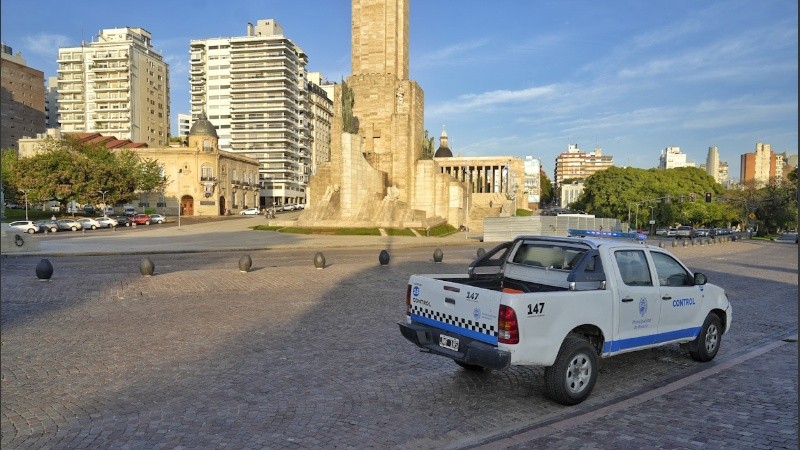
pixel 66 170
pixel 661 195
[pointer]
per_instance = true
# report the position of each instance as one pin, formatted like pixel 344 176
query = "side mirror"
pixel 700 279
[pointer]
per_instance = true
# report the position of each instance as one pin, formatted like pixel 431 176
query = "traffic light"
pixel 708 197
pixel 693 197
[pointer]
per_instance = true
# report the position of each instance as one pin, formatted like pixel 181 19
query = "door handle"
pixel 666 297
pixel 627 299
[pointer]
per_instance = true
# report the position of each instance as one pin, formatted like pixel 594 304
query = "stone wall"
pixel 498 229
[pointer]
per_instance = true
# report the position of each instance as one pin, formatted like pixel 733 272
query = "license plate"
pixel 448 342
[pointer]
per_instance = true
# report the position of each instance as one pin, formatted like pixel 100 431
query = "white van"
pixel 128 210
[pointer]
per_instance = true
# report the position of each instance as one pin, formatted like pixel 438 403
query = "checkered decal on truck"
pixel 472 325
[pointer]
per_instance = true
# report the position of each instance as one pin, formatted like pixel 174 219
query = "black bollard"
pixel 319 260
pixel 383 257
pixel 245 262
pixel 146 267
pixel 44 270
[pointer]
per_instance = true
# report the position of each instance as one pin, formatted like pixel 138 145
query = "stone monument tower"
pixel 375 176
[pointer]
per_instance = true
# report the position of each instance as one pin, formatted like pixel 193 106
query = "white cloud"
pixel 449 55
pixel 492 98
pixel 45 44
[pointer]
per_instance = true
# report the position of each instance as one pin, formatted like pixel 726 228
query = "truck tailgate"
pixel 447 303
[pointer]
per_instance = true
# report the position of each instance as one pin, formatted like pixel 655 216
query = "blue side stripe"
pixel 454 329
pixel 650 339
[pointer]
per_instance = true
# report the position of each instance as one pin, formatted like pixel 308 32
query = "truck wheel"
pixel 470 367
pixel 571 378
pixel 705 347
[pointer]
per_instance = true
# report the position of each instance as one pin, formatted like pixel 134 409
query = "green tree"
pixel 9 159
pixel 623 192
pixel 546 193
pixel 68 170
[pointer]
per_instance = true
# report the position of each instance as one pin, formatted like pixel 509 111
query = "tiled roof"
pixel 108 141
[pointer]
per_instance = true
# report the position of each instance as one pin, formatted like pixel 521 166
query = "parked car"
pixel 47 225
pixel 684 231
pixel 250 212
pixel 141 219
pixel 157 218
pixel 289 207
pixel 107 222
pixel 123 221
pixel 26 226
pixel 661 231
pixel 89 224
pixel 88 209
pixel 671 232
pixel 702 232
pixel 69 224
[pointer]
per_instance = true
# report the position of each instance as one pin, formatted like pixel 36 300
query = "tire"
pixel 571 378
pixel 74 228
pixel 31 231
pixel 147 222
pixel 470 367
pixel 94 227
pixel 128 224
pixel 53 230
pixel 706 346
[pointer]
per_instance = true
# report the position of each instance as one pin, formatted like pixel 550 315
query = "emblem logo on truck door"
pixel 642 306
pixel 476 313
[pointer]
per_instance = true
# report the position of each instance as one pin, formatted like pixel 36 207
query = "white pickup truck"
pixel 564 303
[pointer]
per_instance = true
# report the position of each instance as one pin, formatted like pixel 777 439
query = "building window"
pixel 206 173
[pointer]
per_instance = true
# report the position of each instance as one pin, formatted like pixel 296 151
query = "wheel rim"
pixel 712 338
pixel 579 372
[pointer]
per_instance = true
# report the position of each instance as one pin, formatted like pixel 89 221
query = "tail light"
pixel 508 327
pixel 408 300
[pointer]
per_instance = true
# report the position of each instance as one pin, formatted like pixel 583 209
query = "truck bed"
pixel 508 285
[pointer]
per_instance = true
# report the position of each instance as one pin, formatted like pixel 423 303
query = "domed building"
pixel 444 150
pixel 202 179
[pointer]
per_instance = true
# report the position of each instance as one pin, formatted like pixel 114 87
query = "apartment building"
pixel 116 85
pixel 672 157
pixel 22 106
pixel 575 164
pixel 716 168
pixel 184 125
pixel 254 89
pixel 51 115
pixel 761 167
pixel 533 168
pixel 319 116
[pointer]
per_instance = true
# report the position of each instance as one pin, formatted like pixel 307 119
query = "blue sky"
pixel 515 78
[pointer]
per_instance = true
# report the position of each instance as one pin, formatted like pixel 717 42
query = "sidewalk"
pixel 232 234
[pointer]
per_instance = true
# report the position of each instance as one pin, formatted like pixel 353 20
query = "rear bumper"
pixel 470 351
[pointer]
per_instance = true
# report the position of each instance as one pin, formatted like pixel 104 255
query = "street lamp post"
pixel 180 171
pixel 105 207
pixel 26 202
